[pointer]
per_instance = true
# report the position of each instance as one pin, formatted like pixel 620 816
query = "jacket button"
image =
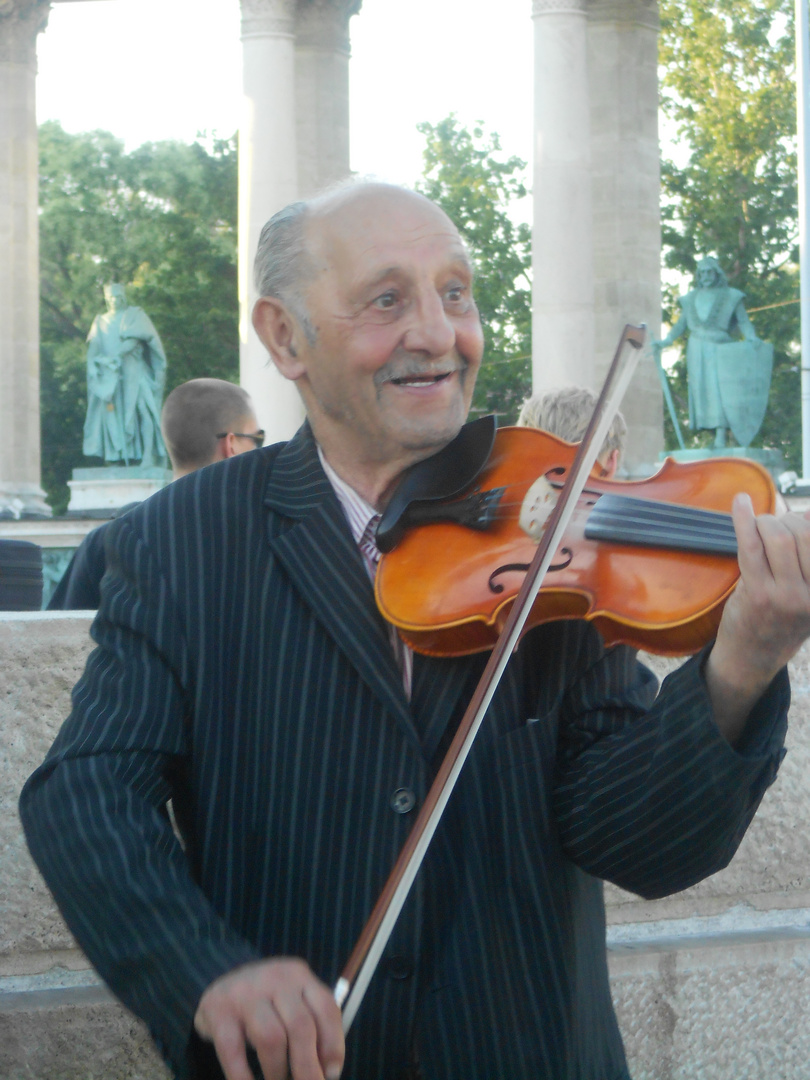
pixel 403 800
pixel 399 968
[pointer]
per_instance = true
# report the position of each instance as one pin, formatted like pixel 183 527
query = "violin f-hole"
pixel 509 568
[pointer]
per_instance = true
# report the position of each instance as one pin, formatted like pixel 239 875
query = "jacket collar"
pixel 311 537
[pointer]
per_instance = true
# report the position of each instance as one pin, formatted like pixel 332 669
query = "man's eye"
pixel 456 294
pixel 387 300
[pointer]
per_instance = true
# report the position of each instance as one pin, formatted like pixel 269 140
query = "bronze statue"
pixel 126 373
pixel 728 380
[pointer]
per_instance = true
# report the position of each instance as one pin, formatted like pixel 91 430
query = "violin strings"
pixel 645 522
pixel 648 522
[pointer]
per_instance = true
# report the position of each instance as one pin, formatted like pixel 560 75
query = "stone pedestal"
pixel 20 491
pixel 99 492
pixel 772 460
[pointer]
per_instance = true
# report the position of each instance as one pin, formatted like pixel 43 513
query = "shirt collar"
pixel 358 512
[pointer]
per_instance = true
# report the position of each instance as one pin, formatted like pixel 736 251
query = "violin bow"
pixel 361 965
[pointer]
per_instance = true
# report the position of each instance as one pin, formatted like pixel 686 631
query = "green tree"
pixel 728 88
pixel 161 220
pixel 464 172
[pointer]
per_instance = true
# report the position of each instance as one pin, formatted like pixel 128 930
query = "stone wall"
pixel 713 983
pixel 57 1022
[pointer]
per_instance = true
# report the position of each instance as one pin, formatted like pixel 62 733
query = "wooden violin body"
pixel 448 588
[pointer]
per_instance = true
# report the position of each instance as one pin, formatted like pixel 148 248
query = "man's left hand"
pixel 767 617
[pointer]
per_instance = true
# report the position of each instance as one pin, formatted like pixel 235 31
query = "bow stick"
pixel 361 965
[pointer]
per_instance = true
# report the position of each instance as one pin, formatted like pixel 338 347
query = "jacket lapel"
pixel 442 689
pixel 314 544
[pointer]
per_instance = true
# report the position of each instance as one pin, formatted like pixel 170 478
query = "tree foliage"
pixel 161 220
pixel 464 172
pixel 728 88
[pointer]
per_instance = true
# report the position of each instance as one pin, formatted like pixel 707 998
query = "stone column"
pixel 562 261
pixel 268 181
pixel 623 81
pixel 20 491
pixel 322 91
pixel 293 140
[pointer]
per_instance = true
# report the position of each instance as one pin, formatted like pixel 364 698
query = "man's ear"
pixel 612 463
pixel 278 331
pixel 227 446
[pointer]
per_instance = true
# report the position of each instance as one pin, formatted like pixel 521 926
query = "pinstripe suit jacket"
pixel 242 670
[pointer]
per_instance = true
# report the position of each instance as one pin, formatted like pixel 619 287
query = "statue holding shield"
pixel 728 380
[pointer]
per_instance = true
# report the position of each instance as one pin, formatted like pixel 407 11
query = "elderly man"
pixel 243 671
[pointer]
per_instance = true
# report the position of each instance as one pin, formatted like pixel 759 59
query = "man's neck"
pixel 374 478
pixel 374 484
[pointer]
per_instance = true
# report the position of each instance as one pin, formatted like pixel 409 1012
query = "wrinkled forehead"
pixel 385 229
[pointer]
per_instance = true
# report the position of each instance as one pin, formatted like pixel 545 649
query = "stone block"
pixel 102 491
pixel 771 869
pixel 43 654
pixel 724 1013
pixel 85 1041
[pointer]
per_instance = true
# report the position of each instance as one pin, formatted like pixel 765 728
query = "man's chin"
pixel 425 440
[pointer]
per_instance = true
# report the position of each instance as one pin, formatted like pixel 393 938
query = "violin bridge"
pixel 536 508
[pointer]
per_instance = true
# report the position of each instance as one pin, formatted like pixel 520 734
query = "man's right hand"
pixel 280 1008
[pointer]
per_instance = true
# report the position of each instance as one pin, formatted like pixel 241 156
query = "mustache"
pixel 404 368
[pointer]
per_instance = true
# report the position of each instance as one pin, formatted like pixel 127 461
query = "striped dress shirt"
pixel 363 520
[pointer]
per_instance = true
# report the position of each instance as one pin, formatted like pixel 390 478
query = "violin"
pixel 650 562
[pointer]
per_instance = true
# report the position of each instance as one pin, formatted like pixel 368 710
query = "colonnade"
pixel 596 248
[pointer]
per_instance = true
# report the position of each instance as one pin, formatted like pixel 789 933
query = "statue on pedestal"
pixel 126 373
pixel 728 380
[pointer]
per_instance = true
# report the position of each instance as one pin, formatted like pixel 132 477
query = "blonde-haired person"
pixel 566 412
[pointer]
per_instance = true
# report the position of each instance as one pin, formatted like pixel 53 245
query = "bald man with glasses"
pixel 203 421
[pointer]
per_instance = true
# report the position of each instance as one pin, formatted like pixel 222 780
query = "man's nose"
pixel 431 331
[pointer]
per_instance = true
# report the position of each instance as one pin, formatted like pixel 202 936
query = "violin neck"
pixel 623 519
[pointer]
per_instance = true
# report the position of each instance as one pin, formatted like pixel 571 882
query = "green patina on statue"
pixel 728 380
pixel 126 374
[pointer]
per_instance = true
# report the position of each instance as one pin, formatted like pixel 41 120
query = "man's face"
pixel 706 277
pixel 115 298
pixel 399 343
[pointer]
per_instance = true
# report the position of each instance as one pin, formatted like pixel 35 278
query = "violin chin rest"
pixel 438 478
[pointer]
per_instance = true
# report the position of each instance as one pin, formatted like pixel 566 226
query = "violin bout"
pixel 651 565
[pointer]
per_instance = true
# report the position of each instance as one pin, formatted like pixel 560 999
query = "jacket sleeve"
pixel 650 795
pixel 95 812
pixel 79 588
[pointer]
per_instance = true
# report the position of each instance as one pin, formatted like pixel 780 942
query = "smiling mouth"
pixel 421 380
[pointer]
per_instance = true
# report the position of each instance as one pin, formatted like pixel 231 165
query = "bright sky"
pixel 148 70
